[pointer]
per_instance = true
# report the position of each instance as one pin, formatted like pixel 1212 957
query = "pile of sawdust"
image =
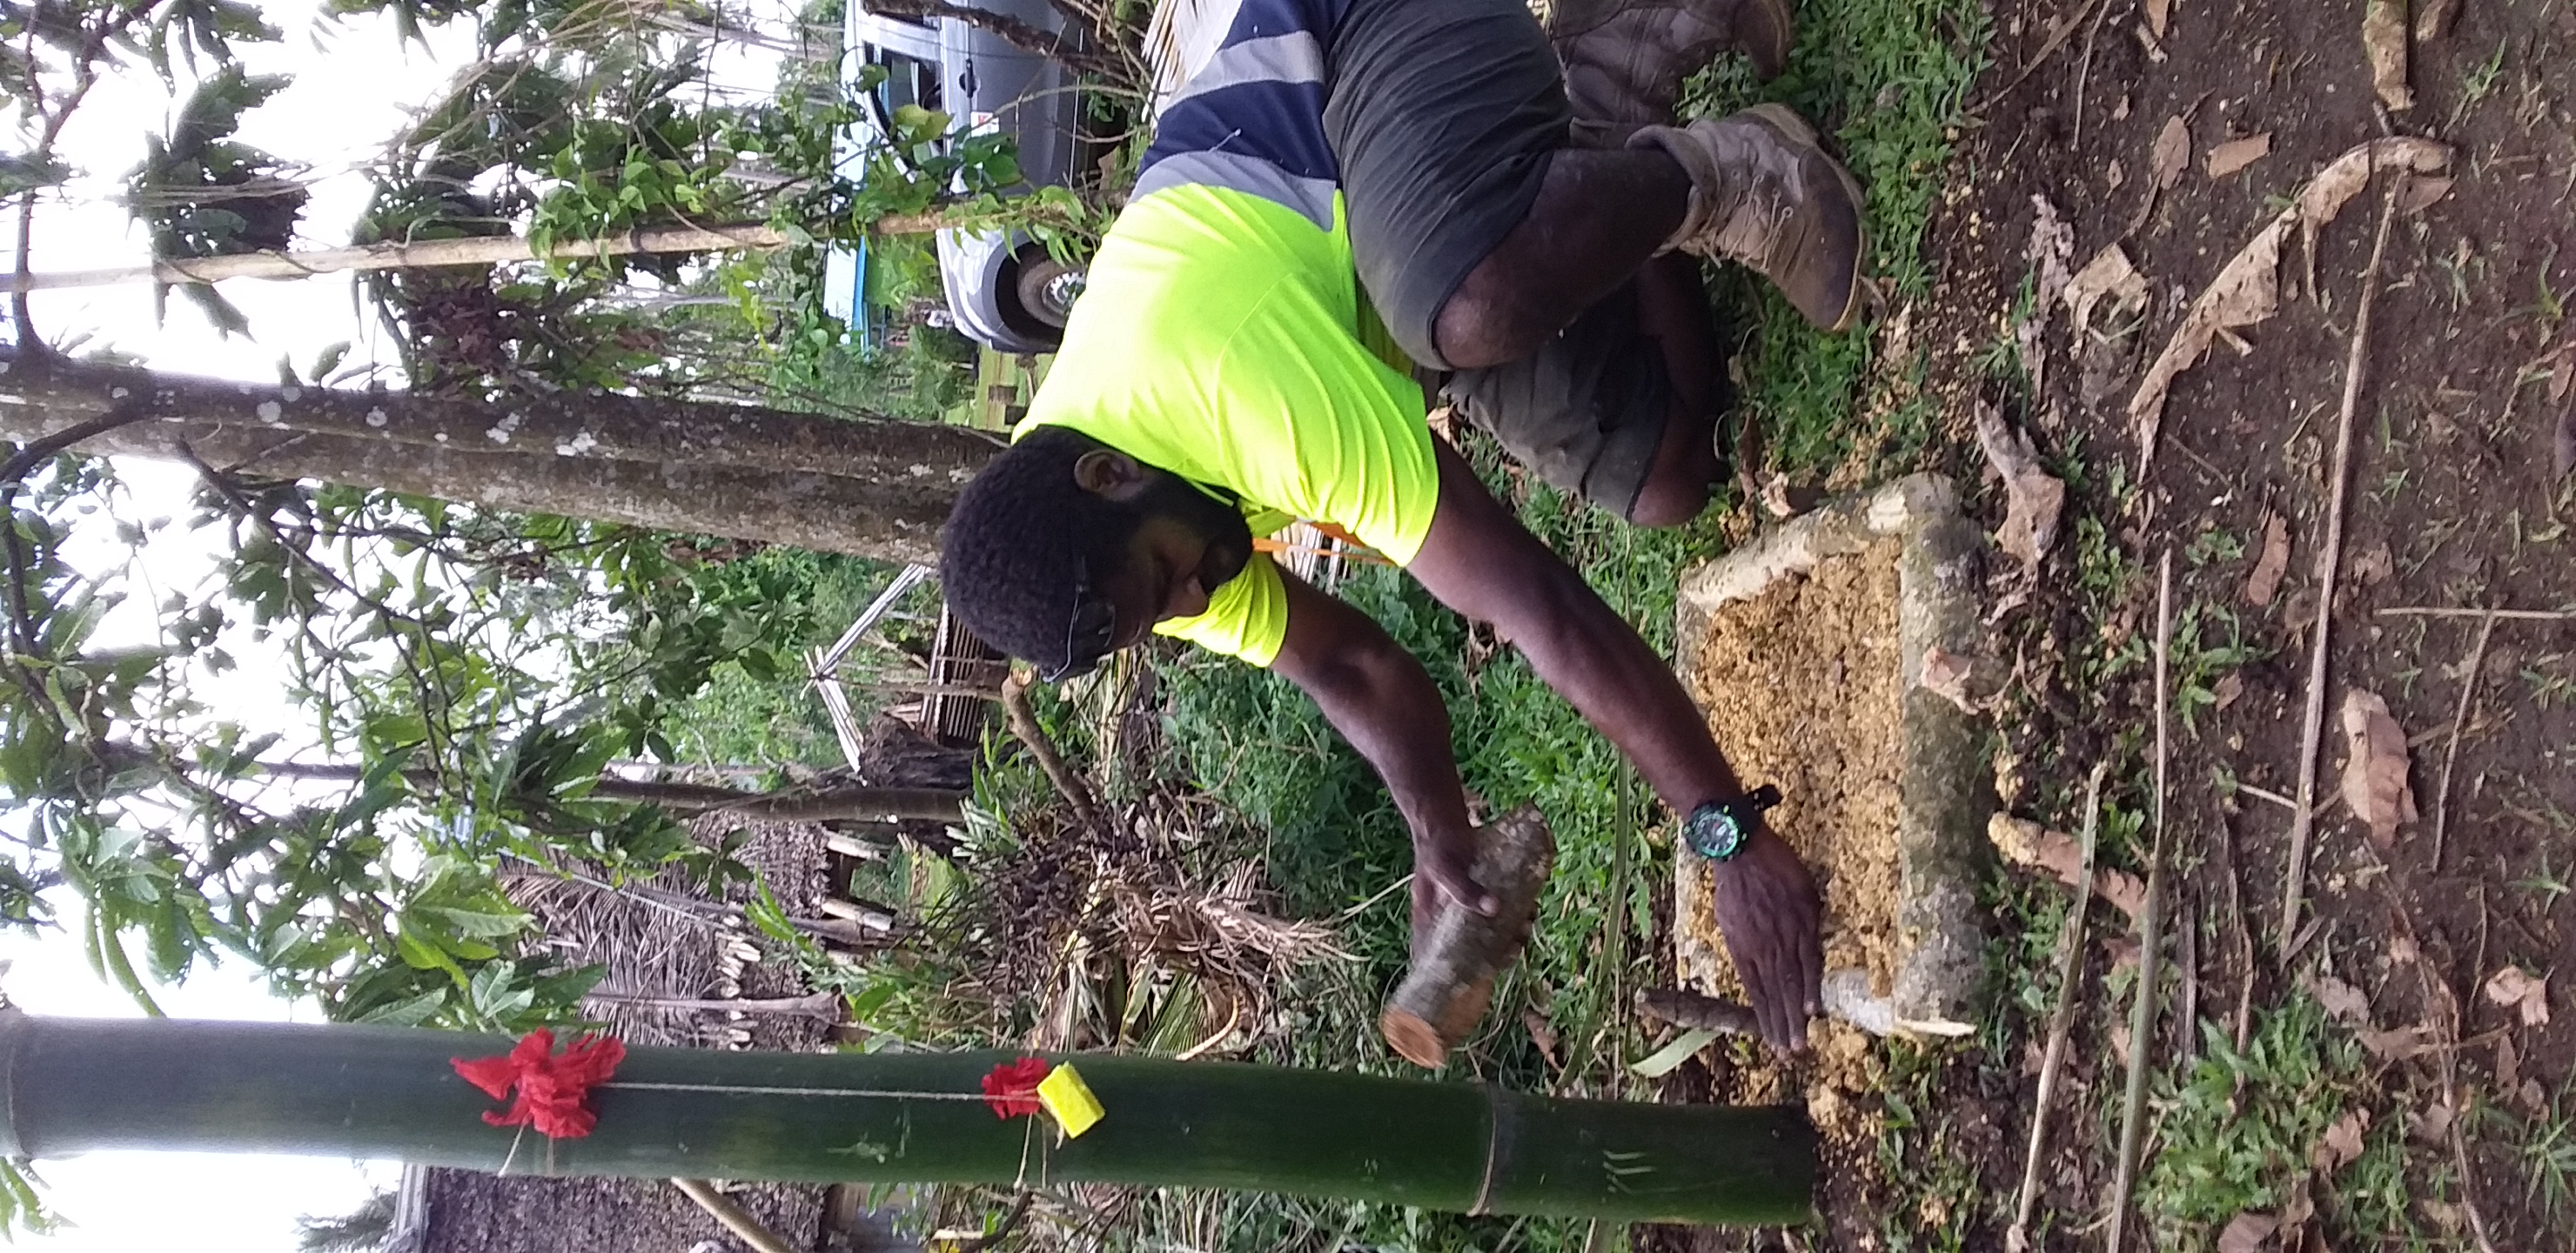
pixel 1803 690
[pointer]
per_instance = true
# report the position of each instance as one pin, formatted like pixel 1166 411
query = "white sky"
pixel 353 83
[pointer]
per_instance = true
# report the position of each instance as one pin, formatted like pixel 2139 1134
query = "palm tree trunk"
pixel 867 488
pixel 76 1086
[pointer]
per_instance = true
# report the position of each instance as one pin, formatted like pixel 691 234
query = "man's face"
pixel 1188 545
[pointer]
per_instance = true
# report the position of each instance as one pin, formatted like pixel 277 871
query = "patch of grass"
pixel 2215 543
pixel 2547 1147
pixel 1940 1199
pixel 2200 657
pixel 1886 80
pixel 2235 1132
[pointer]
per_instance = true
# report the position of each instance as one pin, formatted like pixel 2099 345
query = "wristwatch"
pixel 1718 830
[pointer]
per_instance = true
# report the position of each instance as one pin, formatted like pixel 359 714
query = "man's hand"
pixel 1443 875
pixel 1766 906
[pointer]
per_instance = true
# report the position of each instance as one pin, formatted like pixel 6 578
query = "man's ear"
pixel 1109 473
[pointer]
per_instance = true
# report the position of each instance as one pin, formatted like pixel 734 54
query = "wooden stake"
pixel 2329 562
pixel 1690 1011
pixel 735 1218
pixel 2509 615
pixel 2459 719
pixel 1446 989
pixel 2061 1022
pixel 2142 1011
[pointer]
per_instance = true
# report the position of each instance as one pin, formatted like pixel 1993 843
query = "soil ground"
pixel 2459 497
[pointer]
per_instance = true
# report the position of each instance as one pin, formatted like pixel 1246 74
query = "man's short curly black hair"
pixel 1020 539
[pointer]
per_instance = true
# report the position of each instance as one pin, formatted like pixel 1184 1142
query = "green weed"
pixel 2200 658
pixel 2214 544
pixel 2548 1152
pixel 2237 1129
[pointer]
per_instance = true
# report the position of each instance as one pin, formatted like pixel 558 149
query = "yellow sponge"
pixel 1069 1099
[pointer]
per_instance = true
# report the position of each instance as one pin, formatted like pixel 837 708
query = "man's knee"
pixel 1668 503
pixel 1492 318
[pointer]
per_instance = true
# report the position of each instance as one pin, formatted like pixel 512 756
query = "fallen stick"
pixel 2061 1021
pixel 2142 1012
pixel 735 1218
pixel 1691 1011
pixel 2329 563
pixel 2459 720
pixel 2509 615
pixel 1451 979
pixel 1024 725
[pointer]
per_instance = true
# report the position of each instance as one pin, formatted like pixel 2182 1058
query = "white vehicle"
pixel 1003 289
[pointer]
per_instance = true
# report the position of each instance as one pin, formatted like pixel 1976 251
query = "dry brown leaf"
pixel 2052 241
pixel 1541 1034
pixel 2171 153
pixel 2341 1144
pixel 2514 988
pixel 2444 1214
pixel 2562 446
pixel 2432 1124
pixel 2383 36
pixel 1945 674
pixel 2419 194
pixel 2108 276
pixel 2026 843
pixel 2508 1063
pixel 2339 999
pixel 2227 691
pixel 2374 565
pixel 2396 1045
pixel 2246 1233
pixel 2236 154
pixel 2271 563
pixel 2247 289
pixel 2433 19
pixel 2375 767
pixel 2033 497
pixel 2159 12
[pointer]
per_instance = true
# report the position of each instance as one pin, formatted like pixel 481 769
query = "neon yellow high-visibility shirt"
pixel 1222 337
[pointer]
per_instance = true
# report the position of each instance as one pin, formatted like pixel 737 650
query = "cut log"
pixel 1691 1011
pixel 1452 976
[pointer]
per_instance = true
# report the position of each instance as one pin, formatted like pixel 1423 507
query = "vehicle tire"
pixel 1047 287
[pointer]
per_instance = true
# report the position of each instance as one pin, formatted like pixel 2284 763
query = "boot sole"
pixel 1782 118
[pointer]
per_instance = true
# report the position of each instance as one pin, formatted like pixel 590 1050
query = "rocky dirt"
pixel 2459 498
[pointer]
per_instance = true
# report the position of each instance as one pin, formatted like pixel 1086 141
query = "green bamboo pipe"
pixel 75 1085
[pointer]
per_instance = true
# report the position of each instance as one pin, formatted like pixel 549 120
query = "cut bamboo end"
pixel 1451 981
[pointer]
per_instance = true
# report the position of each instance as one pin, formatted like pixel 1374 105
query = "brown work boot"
pixel 1763 193
pixel 1625 59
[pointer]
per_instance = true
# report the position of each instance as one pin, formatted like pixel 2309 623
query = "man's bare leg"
pixel 1598 216
pixel 1673 311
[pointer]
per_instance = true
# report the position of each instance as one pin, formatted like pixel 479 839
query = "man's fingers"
pixel 1451 875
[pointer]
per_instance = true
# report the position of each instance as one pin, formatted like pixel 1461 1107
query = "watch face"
pixel 1713 833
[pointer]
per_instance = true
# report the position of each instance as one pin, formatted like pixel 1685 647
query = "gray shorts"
pixel 1442 115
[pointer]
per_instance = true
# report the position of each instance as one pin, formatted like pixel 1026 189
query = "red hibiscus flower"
pixel 553 1088
pixel 1012 1088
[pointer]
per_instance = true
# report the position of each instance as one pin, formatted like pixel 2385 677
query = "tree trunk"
pixel 432 254
pixel 823 1005
pixel 855 804
pixel 867 488
pixel 76 1086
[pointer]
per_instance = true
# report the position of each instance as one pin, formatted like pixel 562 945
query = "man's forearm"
pixel 1382 701
pixel 1480 561
pixel 1591 656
